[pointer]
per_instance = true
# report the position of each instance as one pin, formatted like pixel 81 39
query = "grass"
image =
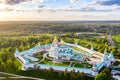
pixel 49 62
pixel 39 55
pixel 82 65
pixel 62 64
pixel 77 65
pixel 116 63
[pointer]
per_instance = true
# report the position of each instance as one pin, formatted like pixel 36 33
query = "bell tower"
pixel 106 59
pixel 111 57
pixel 94 69
pixel 55 42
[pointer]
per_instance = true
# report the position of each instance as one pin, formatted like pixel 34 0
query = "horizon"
pixel 59 10
pixel 60 21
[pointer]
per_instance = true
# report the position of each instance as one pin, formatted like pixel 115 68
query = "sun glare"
pixel 2 6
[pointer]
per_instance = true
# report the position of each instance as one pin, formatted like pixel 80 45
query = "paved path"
pixel 73 65
pixel 17 76
pixel 114 72
pixel 44 56
pixel 70 64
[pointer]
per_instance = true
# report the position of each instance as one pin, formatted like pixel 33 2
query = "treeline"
pixel 50 74
pixel 30 28
pixel 104 75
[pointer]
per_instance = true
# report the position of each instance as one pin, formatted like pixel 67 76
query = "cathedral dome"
pixel 55 39
pixel 62 42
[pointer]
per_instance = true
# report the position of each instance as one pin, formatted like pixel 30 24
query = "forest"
pixel 12 29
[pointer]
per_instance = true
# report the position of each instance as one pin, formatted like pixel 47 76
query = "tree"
pixel 82 75
pixel 50 70
pixel 78 75
pixel 65 73
pixel 2 66
pixel 9 65
pixel 105 75
pixel 60 74
pixel 1 61
pixel 101 76
pixel 72 74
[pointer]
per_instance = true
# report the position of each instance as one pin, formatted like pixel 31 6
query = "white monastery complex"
pixel 62 51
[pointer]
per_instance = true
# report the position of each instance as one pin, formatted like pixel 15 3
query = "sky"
pixel 59 10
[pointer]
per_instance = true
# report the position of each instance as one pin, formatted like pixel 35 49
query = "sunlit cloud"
pixel 13 2
pixel 73 1
pixel 59 9
pixel 6 8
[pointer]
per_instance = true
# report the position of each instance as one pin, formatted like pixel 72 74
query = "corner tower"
pixel 94 69
pixel 106 59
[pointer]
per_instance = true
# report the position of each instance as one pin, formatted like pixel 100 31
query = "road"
pixel 110 40
pixel 18 76
pixel 117 60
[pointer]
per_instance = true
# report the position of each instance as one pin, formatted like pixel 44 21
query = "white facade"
pixel 53 49
pixel 106 62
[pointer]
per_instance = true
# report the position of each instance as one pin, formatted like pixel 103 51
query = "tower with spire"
pixel 54 48
pixel 111 57
pixel 92 49
pixel 94 69
pixel 106 59
pixel 16 52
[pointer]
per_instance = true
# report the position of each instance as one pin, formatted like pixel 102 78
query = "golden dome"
pixel 55 39
pixel 62 42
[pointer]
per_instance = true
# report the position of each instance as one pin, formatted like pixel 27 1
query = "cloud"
pixel 107 2
pixel 78 9
pixel 7 9
pixel 74 9
pixel 13 2
pixel 40 6
pixel 73 1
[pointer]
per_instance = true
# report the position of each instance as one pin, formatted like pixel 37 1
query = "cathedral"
pixel 60 51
